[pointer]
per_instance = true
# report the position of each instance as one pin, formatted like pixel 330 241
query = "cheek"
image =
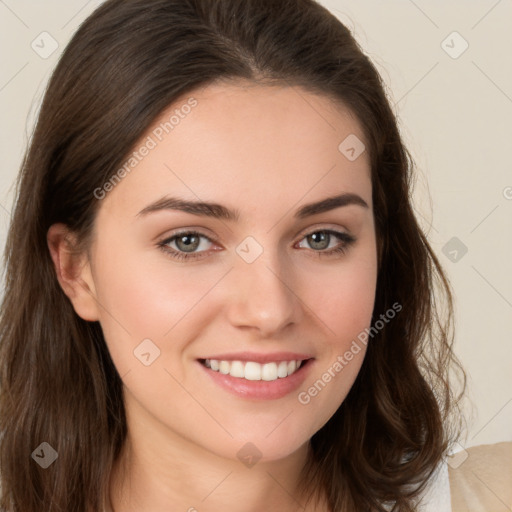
pixel 145 297
pixel 344 302
pixel 343 297
pixel 352 301
pixel 334 372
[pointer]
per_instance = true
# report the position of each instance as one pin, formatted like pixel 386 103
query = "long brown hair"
pixel 128 62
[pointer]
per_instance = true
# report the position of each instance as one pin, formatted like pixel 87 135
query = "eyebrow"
pixel 219 211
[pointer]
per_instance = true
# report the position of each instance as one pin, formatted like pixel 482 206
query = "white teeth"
pixel 292 366
pixel 237 369
pixel 282 369
pixel 269 371
pixel 254 371
pixel 224 367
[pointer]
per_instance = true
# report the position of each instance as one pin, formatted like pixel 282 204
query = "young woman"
pixel 217 294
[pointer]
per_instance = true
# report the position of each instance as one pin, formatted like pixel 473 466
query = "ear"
pixel 73 271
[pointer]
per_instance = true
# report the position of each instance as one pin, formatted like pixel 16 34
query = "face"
pixel 205 310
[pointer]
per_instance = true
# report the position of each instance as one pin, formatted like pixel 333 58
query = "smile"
pixel 252 370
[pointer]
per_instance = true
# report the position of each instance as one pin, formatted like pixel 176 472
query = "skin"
pixel 265 151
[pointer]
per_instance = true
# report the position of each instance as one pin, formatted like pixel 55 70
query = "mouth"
pixel 265 380
pixel 254 371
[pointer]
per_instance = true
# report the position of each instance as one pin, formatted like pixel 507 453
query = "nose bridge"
pixel 263 288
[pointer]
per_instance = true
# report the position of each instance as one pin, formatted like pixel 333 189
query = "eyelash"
pixel 179 255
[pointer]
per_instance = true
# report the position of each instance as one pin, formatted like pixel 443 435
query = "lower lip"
pixel 260 389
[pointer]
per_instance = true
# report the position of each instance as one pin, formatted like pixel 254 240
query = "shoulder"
pixel 481 478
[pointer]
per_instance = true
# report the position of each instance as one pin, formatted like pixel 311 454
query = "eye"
pixel 186 243
pixel 321 240
pixel 189 245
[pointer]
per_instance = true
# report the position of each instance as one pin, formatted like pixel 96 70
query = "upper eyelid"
pixel 186 232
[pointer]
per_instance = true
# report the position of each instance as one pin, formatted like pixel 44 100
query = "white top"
pixel 437 497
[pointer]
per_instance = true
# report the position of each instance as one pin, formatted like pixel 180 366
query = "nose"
pixel 262 295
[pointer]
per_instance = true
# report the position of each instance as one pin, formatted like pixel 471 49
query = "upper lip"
pixel 260 358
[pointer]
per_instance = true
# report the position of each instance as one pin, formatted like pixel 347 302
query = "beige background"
pixel 455 114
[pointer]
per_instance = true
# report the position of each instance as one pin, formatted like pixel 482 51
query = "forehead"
pixel 244 143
